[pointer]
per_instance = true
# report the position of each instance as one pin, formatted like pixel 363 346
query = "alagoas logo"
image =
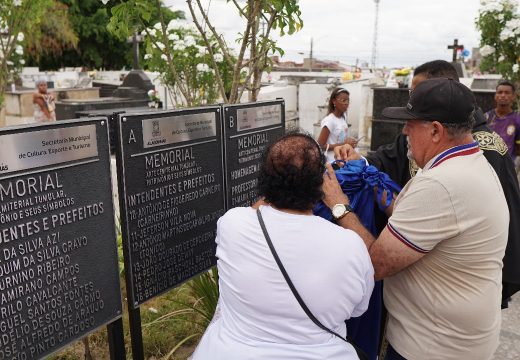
pixel 156 129
pixel 156 133
pixel 4 167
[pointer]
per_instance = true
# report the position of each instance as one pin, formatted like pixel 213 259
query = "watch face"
pixel 338 210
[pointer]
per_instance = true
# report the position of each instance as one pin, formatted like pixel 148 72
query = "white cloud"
pixel 410 31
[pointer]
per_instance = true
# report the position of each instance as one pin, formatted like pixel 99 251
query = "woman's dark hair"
pixel 506 83
pixel 291 173
pixel 334 95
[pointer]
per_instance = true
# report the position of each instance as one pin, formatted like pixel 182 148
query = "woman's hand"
pixel 351 141
pixel 331 190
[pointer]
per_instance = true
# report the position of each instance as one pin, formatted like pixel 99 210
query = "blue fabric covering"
pixel 358 181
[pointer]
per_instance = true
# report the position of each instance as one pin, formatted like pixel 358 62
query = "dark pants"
pixel 365 330
pixel 391 354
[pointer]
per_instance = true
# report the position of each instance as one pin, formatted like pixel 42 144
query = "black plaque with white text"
pixel 171 185
pixel 248 131
pixel 59 277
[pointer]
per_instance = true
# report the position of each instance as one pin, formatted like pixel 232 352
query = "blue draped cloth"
pixel 358 180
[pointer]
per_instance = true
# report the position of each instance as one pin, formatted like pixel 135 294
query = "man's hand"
pixel 332 191
pixel 346 152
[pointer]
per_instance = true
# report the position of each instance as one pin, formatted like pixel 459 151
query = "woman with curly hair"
pixel 258 316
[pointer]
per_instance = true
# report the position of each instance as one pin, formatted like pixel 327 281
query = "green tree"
pixel 95 48
pixel 281 15
pixel 55 34
pixel 191 62
pixel 17 18
pixel 499 26
pixel 239 72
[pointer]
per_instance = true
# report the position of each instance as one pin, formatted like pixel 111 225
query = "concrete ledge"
pixel 19 103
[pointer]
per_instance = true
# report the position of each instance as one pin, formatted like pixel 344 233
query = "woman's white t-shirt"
pixel 338 129
pixel 259 317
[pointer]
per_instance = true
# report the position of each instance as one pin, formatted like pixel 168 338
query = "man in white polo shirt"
pixel 441 252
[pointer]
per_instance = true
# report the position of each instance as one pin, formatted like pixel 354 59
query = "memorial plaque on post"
pixel 59 277
pixel 248 131
pixel 171 185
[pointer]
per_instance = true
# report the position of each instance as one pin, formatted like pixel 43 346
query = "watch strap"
pixel 348 209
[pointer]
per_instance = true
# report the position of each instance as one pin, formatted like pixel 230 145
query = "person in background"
pixel 258 316
pixel 334 128
pixel 44 106
pixel 503 120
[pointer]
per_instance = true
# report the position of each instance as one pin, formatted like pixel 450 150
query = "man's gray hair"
pixel 456 130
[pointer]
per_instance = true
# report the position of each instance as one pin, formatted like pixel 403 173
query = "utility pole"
pixel 310 56
pixel 374 41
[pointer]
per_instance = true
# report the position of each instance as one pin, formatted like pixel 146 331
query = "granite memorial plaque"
pixel 248 131
pixel 172 194
pixel 59 277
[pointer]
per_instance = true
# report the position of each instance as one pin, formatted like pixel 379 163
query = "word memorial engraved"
pixel 59 277
pixel 248 130
pixel 171 181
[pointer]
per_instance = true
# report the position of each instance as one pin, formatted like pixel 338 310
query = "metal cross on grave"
pixel 135 40
pixel 455 47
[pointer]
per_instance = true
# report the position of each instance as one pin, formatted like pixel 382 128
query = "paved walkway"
pixel 509 347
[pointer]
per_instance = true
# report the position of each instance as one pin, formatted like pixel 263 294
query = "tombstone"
pixel 67 108
pixel 248 130
pixel 456 47
pixel 112 116
pixel 485 84
pixel 58 254
pixel 135 86
pixel 385 130
pixel 132 93
pixel 460 67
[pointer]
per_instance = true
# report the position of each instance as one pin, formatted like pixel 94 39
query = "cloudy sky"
pixel 410 31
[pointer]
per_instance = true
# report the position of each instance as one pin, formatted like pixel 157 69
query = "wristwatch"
pixel 340 210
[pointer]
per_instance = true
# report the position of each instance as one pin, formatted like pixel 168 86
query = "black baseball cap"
pixel 441 99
